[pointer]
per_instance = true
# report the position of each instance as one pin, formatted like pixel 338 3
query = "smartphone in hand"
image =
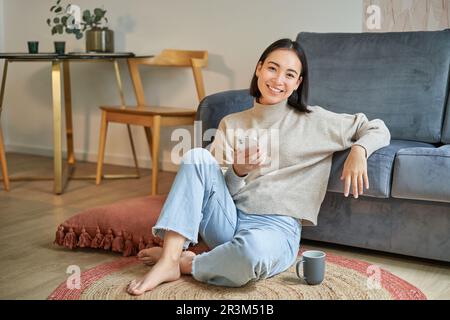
pixel 247 142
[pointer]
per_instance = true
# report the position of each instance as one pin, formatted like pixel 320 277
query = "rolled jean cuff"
pixel 158 231
pixel 194 268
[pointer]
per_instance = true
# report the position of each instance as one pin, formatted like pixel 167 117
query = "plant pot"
pixel 99 40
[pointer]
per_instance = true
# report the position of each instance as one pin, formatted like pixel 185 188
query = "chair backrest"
pixel 170 58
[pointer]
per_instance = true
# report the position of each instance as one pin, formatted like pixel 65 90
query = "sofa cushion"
pixel 446 129
pixel 379 168
pixel 399 77
pixel 216 106
pixel 422 174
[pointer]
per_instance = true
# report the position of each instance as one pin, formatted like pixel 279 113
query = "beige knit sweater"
pixel 300 147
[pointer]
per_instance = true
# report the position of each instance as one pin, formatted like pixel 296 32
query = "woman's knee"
pixel 198 156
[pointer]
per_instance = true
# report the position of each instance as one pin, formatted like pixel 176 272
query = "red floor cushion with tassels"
pixel 123 227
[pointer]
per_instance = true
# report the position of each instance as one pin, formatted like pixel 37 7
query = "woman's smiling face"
pixel 278 76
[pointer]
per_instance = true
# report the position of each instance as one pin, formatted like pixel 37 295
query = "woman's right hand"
pixel 247 160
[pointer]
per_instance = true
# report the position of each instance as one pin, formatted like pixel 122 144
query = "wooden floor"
pixel 31 267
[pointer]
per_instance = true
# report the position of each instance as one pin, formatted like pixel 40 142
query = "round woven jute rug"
pixel 345 278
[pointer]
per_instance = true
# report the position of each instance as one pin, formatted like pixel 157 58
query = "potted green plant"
pixel 68 19
pixel 99 38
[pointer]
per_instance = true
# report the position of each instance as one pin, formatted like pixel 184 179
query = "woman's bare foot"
pixel 165 270
pixel 151 256
pixel 186 262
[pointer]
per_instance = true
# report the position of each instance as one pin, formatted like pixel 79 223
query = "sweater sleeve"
pixel 234 182
pixel 371 135
pixel 222 149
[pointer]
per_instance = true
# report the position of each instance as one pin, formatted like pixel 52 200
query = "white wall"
pixel 406 15
pixel 2 48
pixel 1 27
pixel 235 33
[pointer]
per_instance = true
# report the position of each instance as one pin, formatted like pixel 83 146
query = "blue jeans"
pixel 243 246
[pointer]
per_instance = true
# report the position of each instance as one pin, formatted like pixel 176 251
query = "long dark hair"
pixel 299 98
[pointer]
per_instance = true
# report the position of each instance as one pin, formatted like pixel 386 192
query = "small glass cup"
pixel 60 47
pixel 33 46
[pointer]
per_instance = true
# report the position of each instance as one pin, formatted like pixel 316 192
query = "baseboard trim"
pixel 115 159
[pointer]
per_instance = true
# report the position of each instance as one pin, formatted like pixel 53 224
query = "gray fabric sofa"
pixel 403 79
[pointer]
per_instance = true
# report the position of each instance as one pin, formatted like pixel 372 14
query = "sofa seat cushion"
pixel 379 168
pixel 422 174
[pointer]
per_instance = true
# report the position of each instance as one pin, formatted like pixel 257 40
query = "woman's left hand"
pixel 355 171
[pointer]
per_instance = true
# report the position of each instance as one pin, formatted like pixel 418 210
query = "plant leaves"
pixel 48 21
pixel 86 15
pixel 99 12
pixel 79 35
pixel 54 30
pixel 64 20
pixel 56 20
pixel 60 28
pixel 57 2
pixel 72 23
pixel 57 10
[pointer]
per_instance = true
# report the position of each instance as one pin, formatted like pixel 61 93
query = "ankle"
pixel 170 258
pixel 186 264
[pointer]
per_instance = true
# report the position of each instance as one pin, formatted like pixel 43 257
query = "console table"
pixel 61 84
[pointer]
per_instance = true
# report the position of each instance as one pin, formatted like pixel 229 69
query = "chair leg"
pixel 133 150
pixel 3 162
pixel 155 153
pixel 101 148
pixel 148 135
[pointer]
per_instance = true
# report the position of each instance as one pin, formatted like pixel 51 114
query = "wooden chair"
pixel 3 162
pixel 152 118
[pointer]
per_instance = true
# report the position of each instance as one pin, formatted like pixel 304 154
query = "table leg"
pixel 68 113
pixel 57 126
pixel 3 162
pixel 2 147
pixel 2 89
pixel 119 82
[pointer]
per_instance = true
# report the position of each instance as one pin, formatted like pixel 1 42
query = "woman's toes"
pixel 148 261
pixel 132 285
pixel 137 289
pixel 141 253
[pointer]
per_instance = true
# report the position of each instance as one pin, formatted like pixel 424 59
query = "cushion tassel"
pixel 70 239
